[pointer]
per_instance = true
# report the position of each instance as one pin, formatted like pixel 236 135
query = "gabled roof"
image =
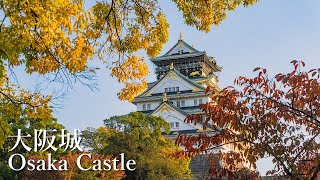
pixel 181 43
pixel 196 127
pixel 170 105
pixel 177 56
pixel 178 74
pixel 191 51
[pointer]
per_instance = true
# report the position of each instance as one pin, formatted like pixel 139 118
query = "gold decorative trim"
pixel 172 74
pixel 171 66
pixel 195 73
pixel 195 89
pixel 165 98
pixel 163 109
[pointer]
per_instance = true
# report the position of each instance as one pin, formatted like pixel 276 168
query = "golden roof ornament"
pixel 164 99
pixel 171 66
pixel 180 37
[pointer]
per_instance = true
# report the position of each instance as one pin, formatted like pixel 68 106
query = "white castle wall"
pixel 188 102
pixel 172 82
pixel 154 105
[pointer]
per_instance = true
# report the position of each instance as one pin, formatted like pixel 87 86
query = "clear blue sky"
pixel 270 34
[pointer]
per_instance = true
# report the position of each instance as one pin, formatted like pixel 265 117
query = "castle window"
pixel 183 103
pixel 200 101
pixel 203 118
pixel 196 102
pixel 146 107
pixel 171 125
pixel 171 89
pixel 174 125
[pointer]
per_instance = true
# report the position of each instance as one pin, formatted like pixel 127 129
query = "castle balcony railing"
pixel 180 66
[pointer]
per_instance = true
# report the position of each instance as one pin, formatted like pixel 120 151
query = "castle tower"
pixel 183 73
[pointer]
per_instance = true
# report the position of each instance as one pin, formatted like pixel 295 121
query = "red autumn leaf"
pixel 256 69
pixel 276 119
pixel 207 90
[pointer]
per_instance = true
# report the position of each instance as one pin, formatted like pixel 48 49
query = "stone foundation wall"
pixel 199 166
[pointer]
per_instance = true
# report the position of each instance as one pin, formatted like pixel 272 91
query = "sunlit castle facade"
pixel 183 73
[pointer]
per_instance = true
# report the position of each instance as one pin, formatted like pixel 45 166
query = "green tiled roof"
pixel 177 56
pixel 167 55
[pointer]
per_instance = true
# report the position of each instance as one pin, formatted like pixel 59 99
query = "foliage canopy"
pixel 58 38
pixel 140 138
pixel 266 116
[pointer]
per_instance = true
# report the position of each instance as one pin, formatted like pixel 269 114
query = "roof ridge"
pixel 171 105
pixel 178 56
pixel 180 40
